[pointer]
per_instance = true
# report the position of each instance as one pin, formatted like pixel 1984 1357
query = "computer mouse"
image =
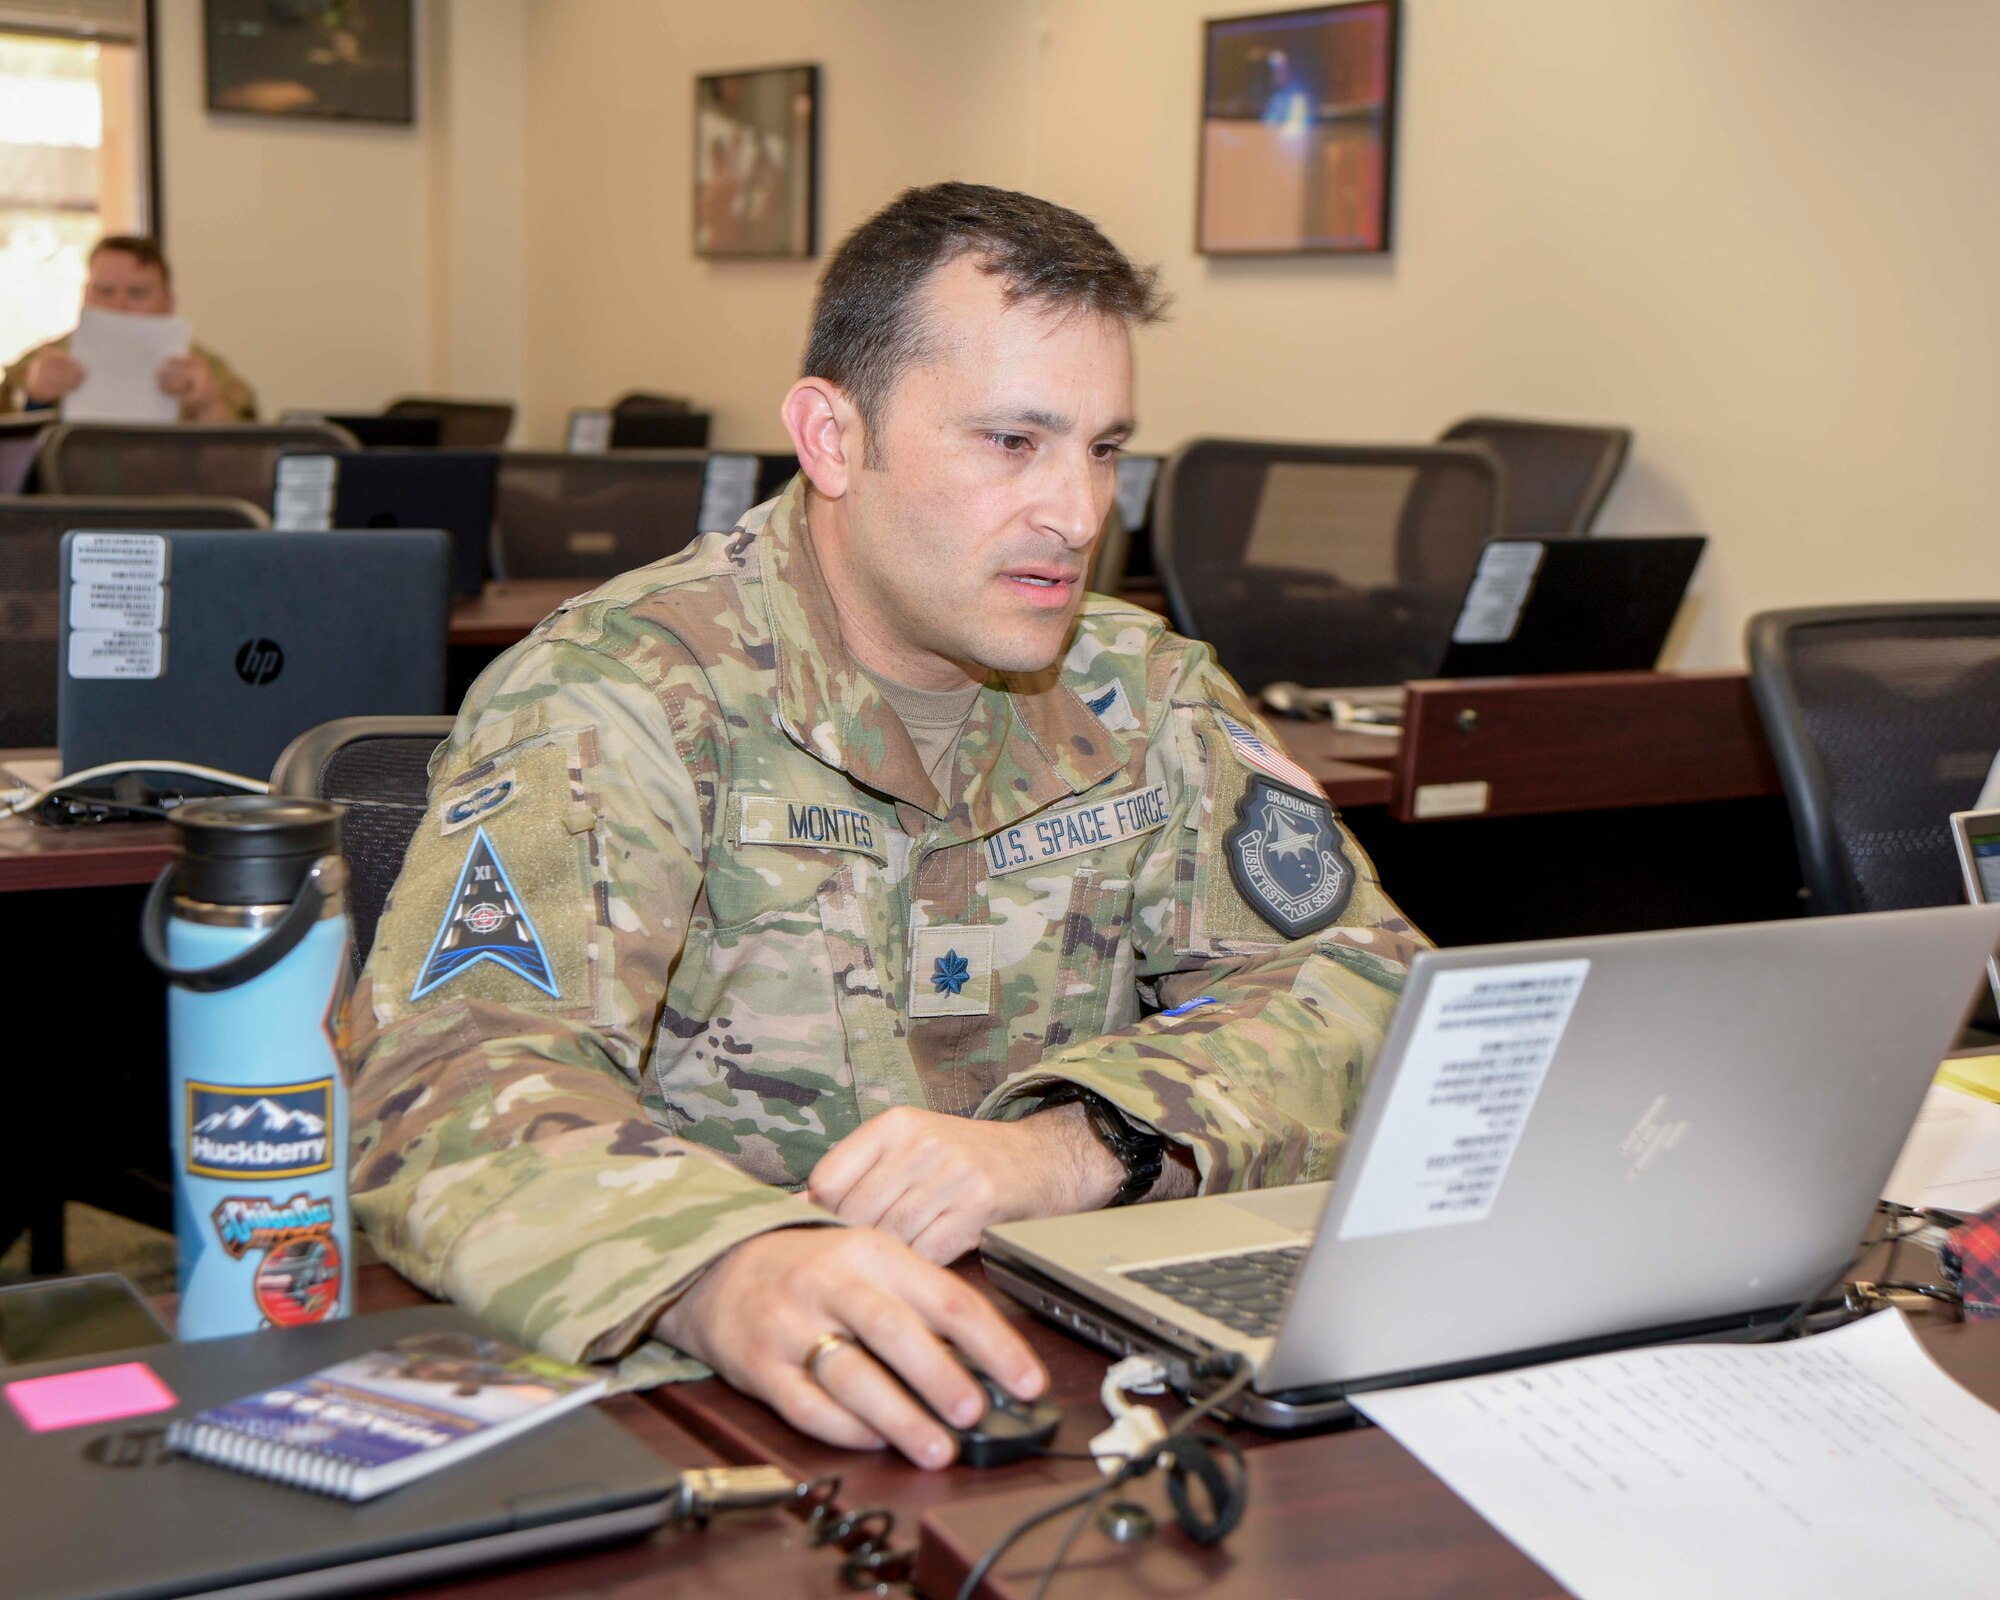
pixel 1008 1430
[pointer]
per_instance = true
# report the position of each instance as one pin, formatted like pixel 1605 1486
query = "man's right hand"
pixel 758 1312
pixel 51 374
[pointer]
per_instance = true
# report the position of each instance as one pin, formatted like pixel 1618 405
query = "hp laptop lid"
pixel 221 647
pixel 104 1512
pixel 448 489
pixel 1570 605
pixel 1565 1145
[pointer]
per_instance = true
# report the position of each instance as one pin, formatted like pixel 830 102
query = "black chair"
pixel 377 770
pixel 462 424
pixel 238 459
pixel 1322 564
pixel 1884 720
pixel 31 531
pixel 644 421
pixel 1558 473
pixel 558 514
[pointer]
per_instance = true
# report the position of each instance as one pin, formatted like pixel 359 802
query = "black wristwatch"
pixel 1140 1150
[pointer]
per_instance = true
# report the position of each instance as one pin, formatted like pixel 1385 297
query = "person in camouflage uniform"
pixel 710 942
pixel 129 274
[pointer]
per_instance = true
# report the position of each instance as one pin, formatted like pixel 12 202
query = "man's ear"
pixel 826 432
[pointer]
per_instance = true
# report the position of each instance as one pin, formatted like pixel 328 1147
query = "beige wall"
pixel 300 249
pixel 1760 234
pixel 340 265
pixel 913 90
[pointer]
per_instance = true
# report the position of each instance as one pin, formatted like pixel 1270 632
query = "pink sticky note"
pixel 99 1394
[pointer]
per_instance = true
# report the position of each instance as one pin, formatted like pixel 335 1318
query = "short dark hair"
pixel 145 251
pixel 868 326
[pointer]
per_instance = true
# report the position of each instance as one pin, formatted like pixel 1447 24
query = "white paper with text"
pixel 1468 1081
pixel 1842 1467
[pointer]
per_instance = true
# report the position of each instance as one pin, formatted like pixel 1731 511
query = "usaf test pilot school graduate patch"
pixel 1284 852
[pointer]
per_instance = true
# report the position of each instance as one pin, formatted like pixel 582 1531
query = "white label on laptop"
pixel 120 605
pixel 728 489
pixel 111 653
pixel 303 502
pixel 1471 1072
pixel 119 557
pixel 589 432
pixel 1499 590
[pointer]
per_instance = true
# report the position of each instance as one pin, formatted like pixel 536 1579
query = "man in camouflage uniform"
pixel 822 874
pixel 128 274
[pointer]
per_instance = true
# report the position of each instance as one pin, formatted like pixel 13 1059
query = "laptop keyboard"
pixel 1245 1290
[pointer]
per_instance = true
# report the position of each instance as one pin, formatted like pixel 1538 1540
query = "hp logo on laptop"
pixel 259 661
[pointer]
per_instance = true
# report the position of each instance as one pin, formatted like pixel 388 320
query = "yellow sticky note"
pixel 1976 1075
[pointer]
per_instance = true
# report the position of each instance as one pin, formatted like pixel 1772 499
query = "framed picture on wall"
pixel 1298 126
pixel 341 59
pixel 756 163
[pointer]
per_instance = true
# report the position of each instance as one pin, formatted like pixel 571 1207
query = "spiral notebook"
pixel 368 1424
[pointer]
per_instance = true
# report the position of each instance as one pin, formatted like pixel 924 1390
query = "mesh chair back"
pixel 377 770
pixel 237 459
pixel 462 424
pixel 1558 473
pixel 31 530
pixel 558 515
pixel 1884 720
pixel 1322 564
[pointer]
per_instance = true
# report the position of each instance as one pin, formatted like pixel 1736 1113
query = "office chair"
pixel 1884 720
pixel 1322 564
pixel 462 424
pixel 1558 473
pixel 645 421
pixel 237 459
pixel 561 515
pixel 377 770
pixel 31 530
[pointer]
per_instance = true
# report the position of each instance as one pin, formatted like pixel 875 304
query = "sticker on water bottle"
pixel 298 1281
pixel 239 1131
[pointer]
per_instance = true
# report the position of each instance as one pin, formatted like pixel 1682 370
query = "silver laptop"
pixel 1977 835
pixel 1566 1146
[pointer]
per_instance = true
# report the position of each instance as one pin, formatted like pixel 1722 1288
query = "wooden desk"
pixel 506 612
pixel 1588 742
pixel 85 857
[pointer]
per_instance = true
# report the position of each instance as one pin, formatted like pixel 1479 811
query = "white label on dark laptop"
pixel 118 557
pixel 589 432
pixel 1499 590
pixel 110 653
pixel 123 605
pixel 303 502
pixel 728 489
pixel 1471 1072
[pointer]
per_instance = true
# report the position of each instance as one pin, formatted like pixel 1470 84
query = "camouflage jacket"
pixel 686 909
pixel 229 386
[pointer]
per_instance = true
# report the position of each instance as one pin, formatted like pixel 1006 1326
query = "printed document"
pixel 1839 1466
pixel 1951 1161
pixel 121 355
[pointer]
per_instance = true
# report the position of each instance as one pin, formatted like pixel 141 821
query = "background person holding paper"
pixel 129 276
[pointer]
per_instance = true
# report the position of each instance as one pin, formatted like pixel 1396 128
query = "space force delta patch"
pixel 485 922
pixel 1093 825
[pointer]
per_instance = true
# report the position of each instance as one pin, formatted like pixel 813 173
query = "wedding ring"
pixel 821 1346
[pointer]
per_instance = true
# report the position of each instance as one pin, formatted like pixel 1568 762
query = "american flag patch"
pixel 1268 759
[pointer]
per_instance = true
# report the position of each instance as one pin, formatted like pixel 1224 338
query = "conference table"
pixel 1349 1513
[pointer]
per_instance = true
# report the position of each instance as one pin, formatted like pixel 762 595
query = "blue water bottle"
pixel 249 924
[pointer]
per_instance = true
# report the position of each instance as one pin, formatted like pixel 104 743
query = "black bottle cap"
pixel 251 849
